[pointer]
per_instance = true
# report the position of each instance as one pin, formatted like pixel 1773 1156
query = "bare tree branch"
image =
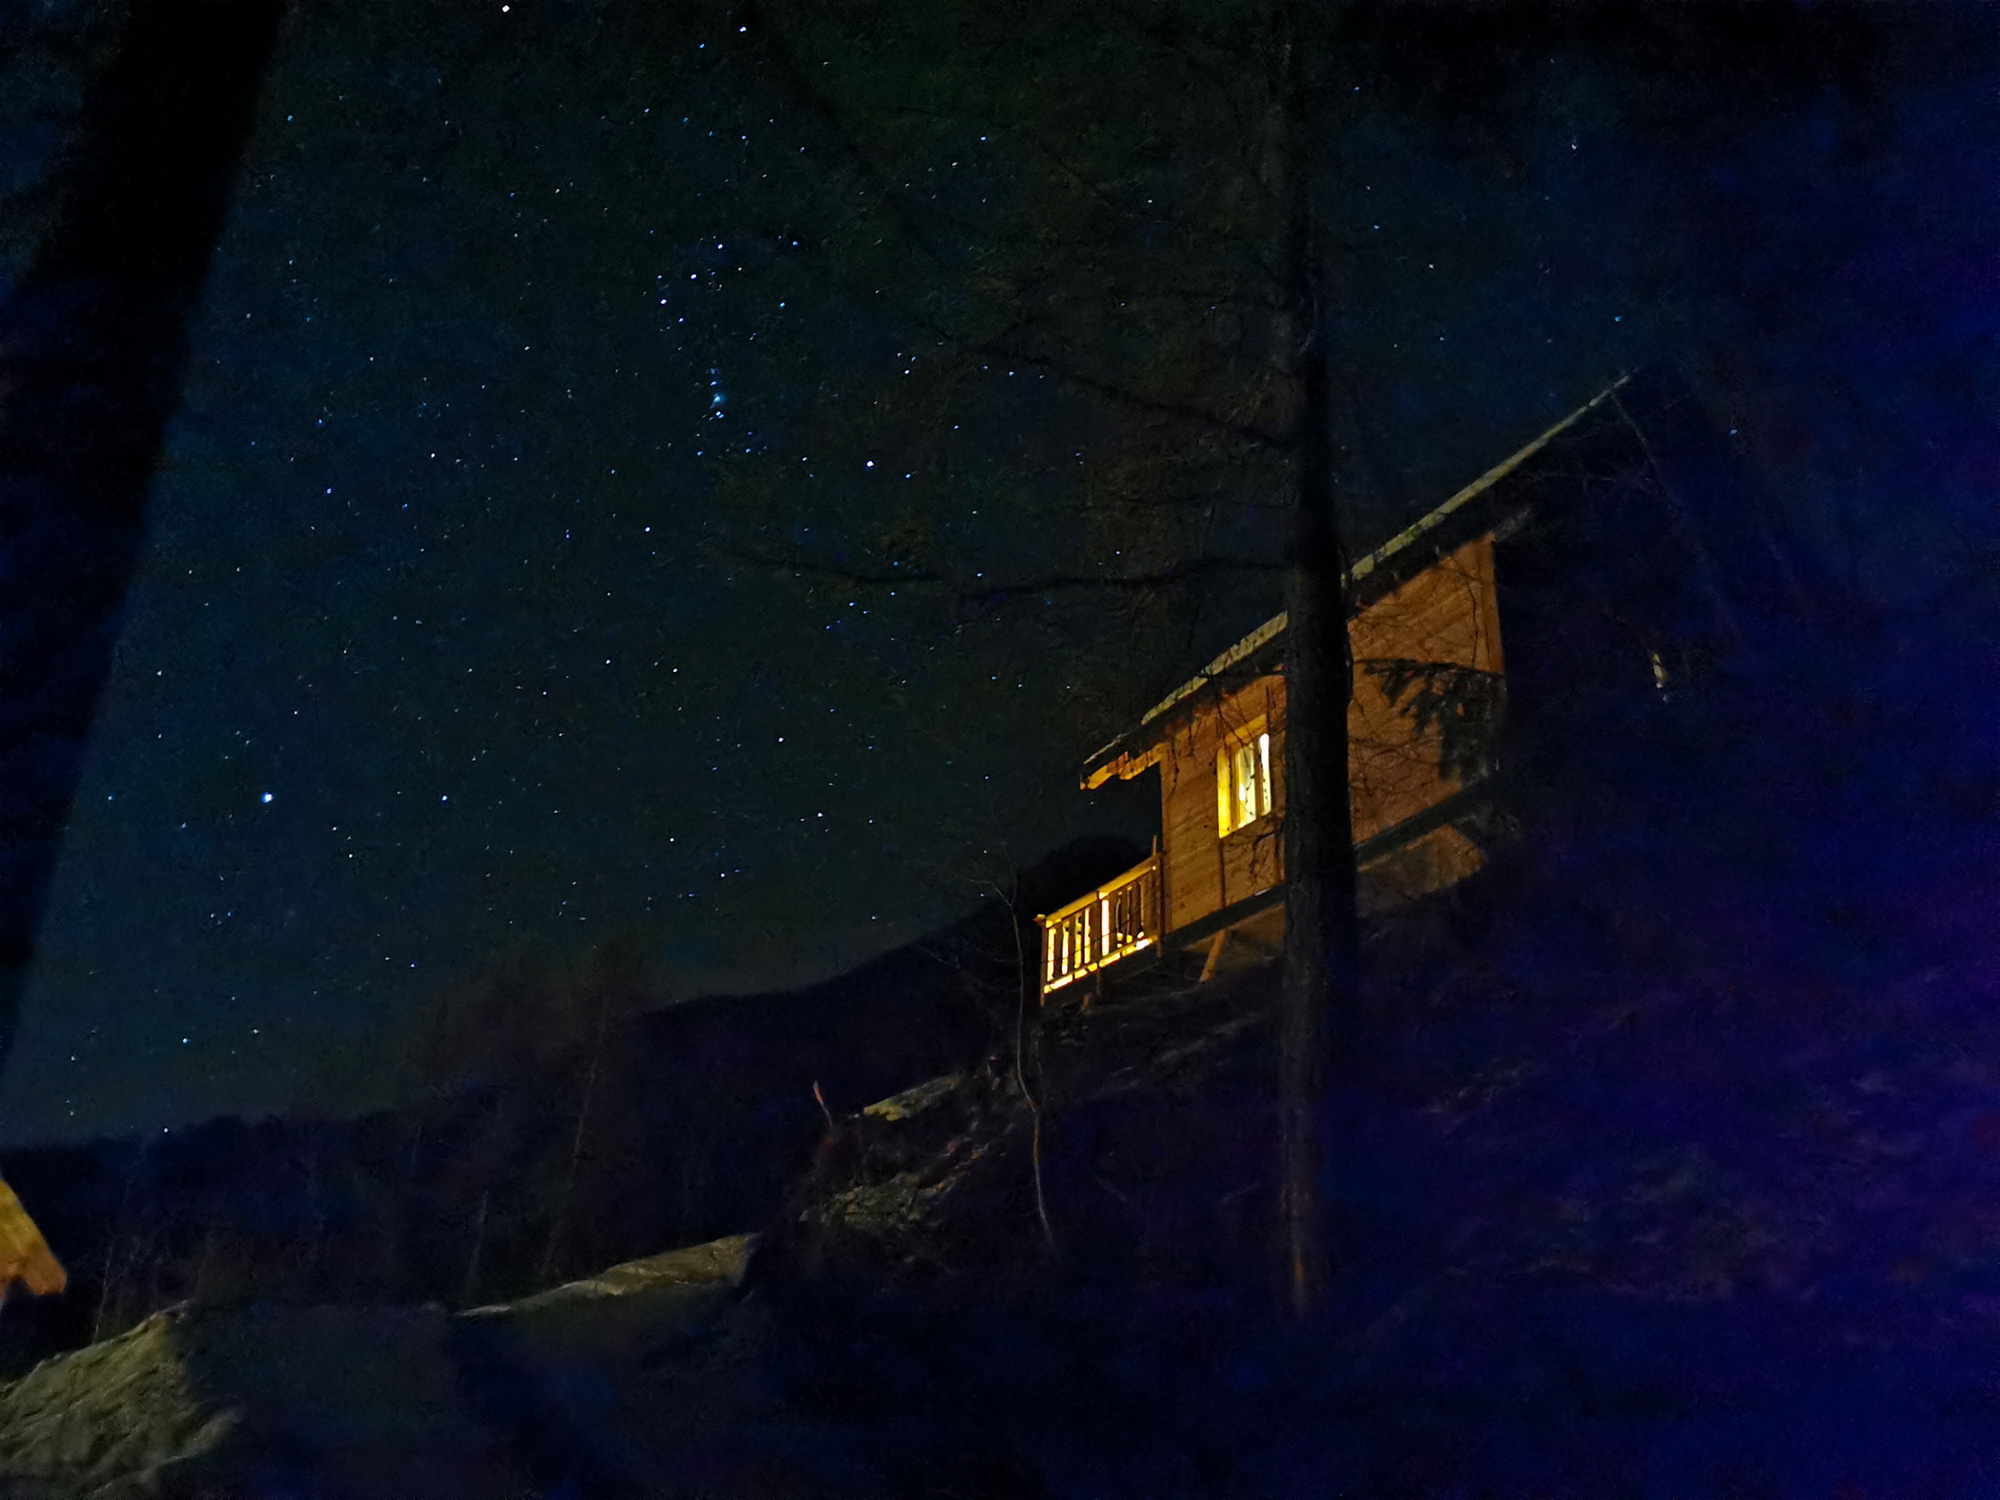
pixel 1244 432
pixel 799 83
pixel 1183 571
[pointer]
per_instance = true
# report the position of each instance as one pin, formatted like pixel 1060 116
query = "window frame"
pixel 1232 793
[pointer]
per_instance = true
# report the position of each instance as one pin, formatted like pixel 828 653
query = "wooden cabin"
pixel 1479 606
pixel 1217 873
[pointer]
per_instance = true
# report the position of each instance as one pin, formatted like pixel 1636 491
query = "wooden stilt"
pixel 1214 956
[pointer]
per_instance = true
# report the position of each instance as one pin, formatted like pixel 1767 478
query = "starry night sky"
pixel 427 659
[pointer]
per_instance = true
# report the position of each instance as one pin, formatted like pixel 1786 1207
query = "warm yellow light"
pixel 1221 792
pixel 1264 763
pixel 1101 927
pixel 1246 785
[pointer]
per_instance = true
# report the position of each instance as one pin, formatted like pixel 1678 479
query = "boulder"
pixel 632 1378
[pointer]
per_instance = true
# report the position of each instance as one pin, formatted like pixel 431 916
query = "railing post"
pixel 1102 926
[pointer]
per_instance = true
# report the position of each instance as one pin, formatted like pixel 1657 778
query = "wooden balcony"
pixel 1102 926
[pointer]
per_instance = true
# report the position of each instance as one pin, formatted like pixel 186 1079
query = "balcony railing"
pixel 1099 928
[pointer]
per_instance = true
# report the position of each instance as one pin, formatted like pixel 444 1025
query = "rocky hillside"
pixel 1664 1161
pixel 1587 1271
pixel 632 1373
pixel 574 1119
pixel 1138 1151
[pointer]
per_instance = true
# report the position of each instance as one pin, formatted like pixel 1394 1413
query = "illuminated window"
pixel 1246 785
pixel 1242 784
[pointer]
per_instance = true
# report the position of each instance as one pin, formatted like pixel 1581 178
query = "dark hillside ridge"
pixel 702 1113
pixel 1665 1156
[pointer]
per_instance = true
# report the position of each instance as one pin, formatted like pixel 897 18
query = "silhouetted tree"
pixel 1121 349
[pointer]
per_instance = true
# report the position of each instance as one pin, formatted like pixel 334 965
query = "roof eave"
pixel 1382 568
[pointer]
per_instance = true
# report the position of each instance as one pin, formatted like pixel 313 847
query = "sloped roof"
pixel 24 1255
pixel 1390 564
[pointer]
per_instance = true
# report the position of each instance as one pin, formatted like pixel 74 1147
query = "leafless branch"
pixel 1183 571
pixel 799 83
pixel 1244 432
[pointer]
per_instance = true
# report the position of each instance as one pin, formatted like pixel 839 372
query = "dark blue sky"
pixel 425 659
pixel 422 661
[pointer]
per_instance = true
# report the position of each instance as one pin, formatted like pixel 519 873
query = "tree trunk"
pixel 1024 980
pixel 1321 959
pixel 93 341
pixel 104 1281
pixel 478 1244
pixel 552 1250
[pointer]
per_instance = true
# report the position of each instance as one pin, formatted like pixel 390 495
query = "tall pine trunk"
pixel 1321 948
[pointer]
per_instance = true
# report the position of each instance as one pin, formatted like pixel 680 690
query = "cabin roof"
pixel 1394 562
pixel 24 1255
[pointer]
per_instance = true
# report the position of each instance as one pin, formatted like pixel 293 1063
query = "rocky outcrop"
pixel 1134 1134
pixel 232 1400
pixel 726 1368
pixel 625 1379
